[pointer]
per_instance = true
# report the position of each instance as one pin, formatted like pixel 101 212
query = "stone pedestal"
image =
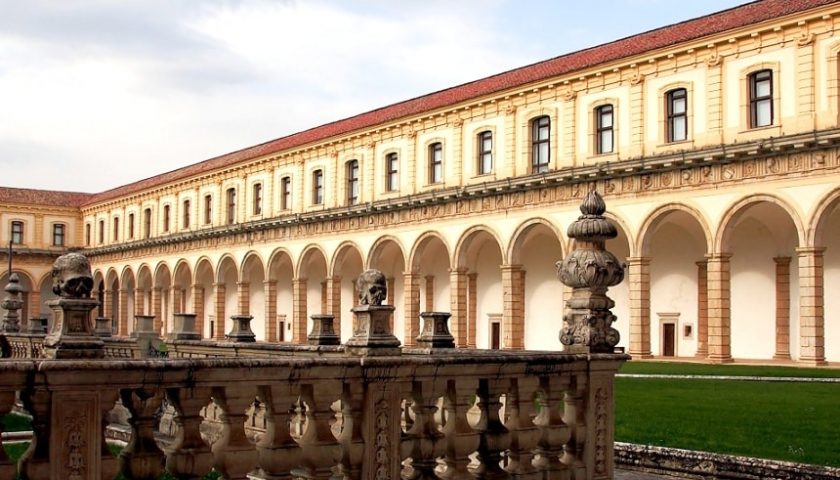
pixel 72 333
pixel 103 327
pixel 241 331
pixel 323 330
pixel 435 333
pixel 372 335
pixel 144 326
pixel 37 325
pixel 183 327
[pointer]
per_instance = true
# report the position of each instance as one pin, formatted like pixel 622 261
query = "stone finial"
pixel 372 288
pixel 71 276
pixel 12 303
pixel 372 333
pixel 590 269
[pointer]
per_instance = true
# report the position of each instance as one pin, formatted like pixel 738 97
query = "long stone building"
pixel 714 142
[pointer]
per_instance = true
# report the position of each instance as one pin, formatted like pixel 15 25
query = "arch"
pixel 522 232
pixel 223 263
pixel 144 275
pixel 161 272
pixel 98 277
pixel 816 225
pixel 734 212
pixel 127 275
pixel 459 255
pixel 306 254
pixel 279 255
pixel 659 214
pixel 421 243
pixel 381 242
pixel 340 256
pixel 182 267
pixel 248 260
pixel 47 279
pixel 111 277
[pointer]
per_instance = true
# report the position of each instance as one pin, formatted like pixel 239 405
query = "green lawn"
pixel 676 368
pixel 796 422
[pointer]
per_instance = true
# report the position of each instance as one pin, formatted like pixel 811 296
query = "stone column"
pixel 430 293
pixel 157 310
pixel 458 304
pixel 107 299
pixel 390 300
pixel 472 308
pixel 122 321
pixel 34 304
pixel 782 308
pixel 198 308
pixel 243 297
pixel 719 314
pixel 332 301
pixel 513 313
pixel 299 286
pixel 177 300
pixel 811 314
pixel 638 276
pixel 702 310
pixel 270 292
pixel 139 301
pixel 411 303
pixel 219 328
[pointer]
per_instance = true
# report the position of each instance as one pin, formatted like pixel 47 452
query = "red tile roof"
pixel 733 18
pixel 29 196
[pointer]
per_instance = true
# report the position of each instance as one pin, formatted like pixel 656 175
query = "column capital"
pixel 702 263
pixel 269 283
pixel 638 260
pixel 782 260
pixel 512 266
pixel 459 270
pixel 718 257
pixel 243 284
pixel 218 285
pixel 300 279
pixel 805 251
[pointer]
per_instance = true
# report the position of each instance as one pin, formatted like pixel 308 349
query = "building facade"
pixel 714 143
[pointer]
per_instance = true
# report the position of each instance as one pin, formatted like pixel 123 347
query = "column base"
pixel 640 355
pixel 781 356
pixel 702 355
pixel 813 362
pixel 720 359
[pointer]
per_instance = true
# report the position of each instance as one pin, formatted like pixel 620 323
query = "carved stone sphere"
pixel 371 288
pixel 71 276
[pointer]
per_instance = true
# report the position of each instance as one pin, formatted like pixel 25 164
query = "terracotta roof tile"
pixel 29 196
pixel 733 18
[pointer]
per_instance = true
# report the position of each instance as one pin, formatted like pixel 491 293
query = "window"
pixel 391 178
pixel 147 223
pixel 318 187
pixel 285 193
pixel 436 162
pixel 677 110
pixel 166 210
pixel 604 129
pixel 102 231
pixel 208 209
pixel 186 214
pixel 540 144
pixel 761 99
pixel 258 199
pixel 131 226
pixel 17 233
pixel 116 229
pixel 58 235
pixel 87 234
pixel 231 205
pixel 352 182
pixel 485 152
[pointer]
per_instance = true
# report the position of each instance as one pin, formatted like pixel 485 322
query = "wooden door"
pixel 495 335
pixel 668 339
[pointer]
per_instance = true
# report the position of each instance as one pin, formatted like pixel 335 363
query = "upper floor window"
pixel 285 193
pixel 186 214
pixel 540 144
pixel 116 229
pixel 131 226
pixel 166 217
pixel 485 152
pixel 352 182
pixel 677 112
pixel 391 172
pixel 208 209
pixel 17 232
pixel 58 234
pixel 102 231
pixel 436 162
pixel 604 129
pixel 231 206
pixel 87 234
pixel 257 199
pixel 318 187
pixel 761 98
pixel 147 223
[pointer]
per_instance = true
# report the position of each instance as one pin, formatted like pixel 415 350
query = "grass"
pixel 14 422
pixel 674 368
pixel 796 422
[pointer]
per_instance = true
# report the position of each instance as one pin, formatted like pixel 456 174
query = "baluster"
pixel 34 464
pixel 188 457
pixel 351 444
pixel 7 402
pixel 519 420
pixel 109 463
pixel 317 440
pixel 141 458
pixel 277 451
pixel 423 443
pixel 233 455
pixel 461 441
pixel 554 433
pixel 494 438
pixel 575 417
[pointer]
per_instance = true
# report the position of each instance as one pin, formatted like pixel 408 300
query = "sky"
pixel 95 94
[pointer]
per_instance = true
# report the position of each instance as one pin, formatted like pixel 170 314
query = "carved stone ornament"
pixel 72 334
pixel 12 303
pixel 372 288
pixel 372 333
pixel 590 269
pixel 71 276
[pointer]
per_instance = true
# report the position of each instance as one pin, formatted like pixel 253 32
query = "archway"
pixel 429 270
pixel 387 256
pixel 340 287
pixel 311 290
pixel 478 316
pixel 227 300
pixel 252 280
pixel 203 298
pixel 281 273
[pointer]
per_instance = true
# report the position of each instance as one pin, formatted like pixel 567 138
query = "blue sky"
pixel 99 93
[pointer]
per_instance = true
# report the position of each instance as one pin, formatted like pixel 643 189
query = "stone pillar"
pixel 139 301
pixel 430 293
pixel 719 315
pixel 198 308
pixel 34 304
pixel 411 303
pixel 702 310
pixel 270 292
pixel 811 314
pixel 107 300
pixel 458 304
pixel 157 310
pixel 782 308
pixel 331 290
pixel 299 286
pixel 177 300
pixel 219 327
pixel 390 300
pixel 122 321
pixel 472 308
pixel 638 276
pixel 513 313
pixel 243 297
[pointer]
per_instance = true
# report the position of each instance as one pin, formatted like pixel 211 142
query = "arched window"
pixel 540 144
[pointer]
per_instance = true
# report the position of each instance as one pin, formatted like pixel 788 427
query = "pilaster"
pixel 198 308
pixel 411 303
pixel 458 304
pixel 157 310
pixel 513 313
pixel 472 308
pixel 638 276
pixel 719 292
pixel 811 313
pixel 429 288
pixel 122 322
pixel 270 293
pixel 299 287
pixel 219 326
pixel 332 302
pixel 702 310
pixel 782 308
pixel 243 297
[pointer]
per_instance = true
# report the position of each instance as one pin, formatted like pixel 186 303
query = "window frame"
pixel 485 154
pixel 538 125
pixel 16 232
pixel 756 101
pixel 185 216
pixel 318 186
pixel 87 234
pixel 257 207
pixel 101 233
pixel 147 223
pixel 116 229
pixel 672 116
pixel 435 163
pixel 208 209
pixel 392 171
pixel 230 206
pixel 131 226
pixel 167 211
pixel 353 183
pixel 285 192
pixel 601 130
pixel 59 230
